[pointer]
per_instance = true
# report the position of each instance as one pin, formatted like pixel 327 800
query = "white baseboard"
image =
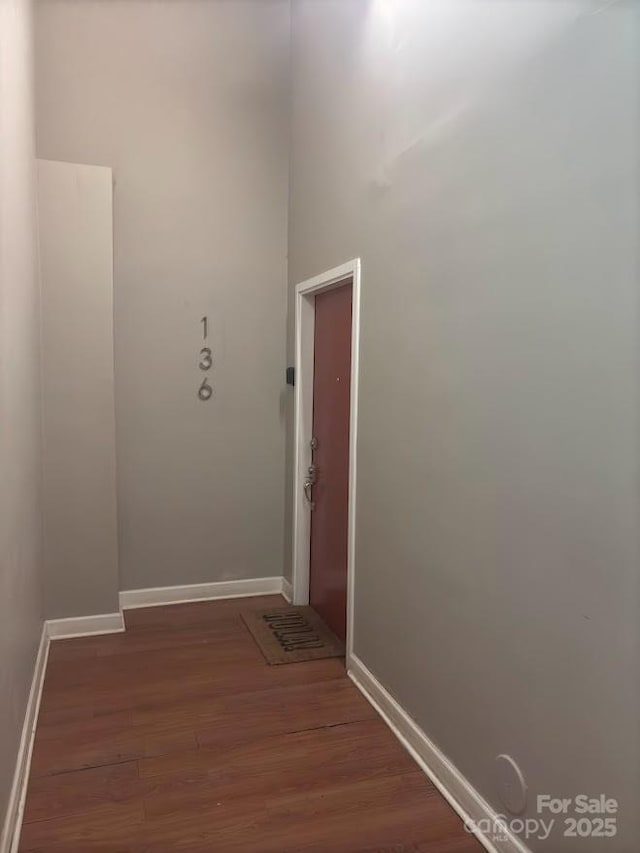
pixel 156 596
pixel 10 839
pixel 453 786
pixel 85 626
pixel 287 590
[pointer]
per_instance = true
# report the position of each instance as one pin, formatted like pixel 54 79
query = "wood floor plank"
pixel 340 818
pixel 176 735
pixel 194 662
pixel 53 797
pixel 197 705
pixel 261 771
pixel 203 681
pixel 383 810
pixel 114 727
pixel 246 716
pixel 104 740
pixel 112 826
pixel 53 757
pixel 81 847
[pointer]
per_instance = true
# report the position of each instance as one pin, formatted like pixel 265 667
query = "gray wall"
pixel 482 159
pixel 20 520
pixel 75 225
pixel 187 102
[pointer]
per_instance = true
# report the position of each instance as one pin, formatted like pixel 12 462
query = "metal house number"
pixel 205 359
pixel 205 363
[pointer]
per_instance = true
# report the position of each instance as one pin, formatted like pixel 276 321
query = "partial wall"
pixel 187 102
pixel 482 160
pixel 20 478
pixel 79 457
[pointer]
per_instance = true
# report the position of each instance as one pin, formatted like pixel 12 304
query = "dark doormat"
pixel 292 635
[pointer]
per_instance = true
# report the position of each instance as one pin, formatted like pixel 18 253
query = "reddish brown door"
pixel 331 408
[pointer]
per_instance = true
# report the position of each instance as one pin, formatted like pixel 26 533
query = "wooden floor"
pixel 176 735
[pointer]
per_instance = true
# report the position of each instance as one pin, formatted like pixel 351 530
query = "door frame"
pixel 305 293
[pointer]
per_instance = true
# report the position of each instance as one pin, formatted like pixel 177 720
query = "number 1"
pixel 205 325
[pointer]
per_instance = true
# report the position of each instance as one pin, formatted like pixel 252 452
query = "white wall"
pixel 187 102
pixel 20 519
pixel 482 159
pixel 79 460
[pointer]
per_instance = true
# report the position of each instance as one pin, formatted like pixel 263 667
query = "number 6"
pixel 205 390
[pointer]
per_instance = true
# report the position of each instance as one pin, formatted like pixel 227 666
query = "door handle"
pixel 308 485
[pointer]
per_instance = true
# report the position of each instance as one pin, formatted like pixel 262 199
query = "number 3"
pixel 205 359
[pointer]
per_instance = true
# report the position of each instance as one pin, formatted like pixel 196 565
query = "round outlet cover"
pixel 512 787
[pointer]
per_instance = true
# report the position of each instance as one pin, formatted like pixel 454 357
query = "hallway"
pixel 242 756
pixel 335 301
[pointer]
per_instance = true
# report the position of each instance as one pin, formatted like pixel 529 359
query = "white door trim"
pixel 305 292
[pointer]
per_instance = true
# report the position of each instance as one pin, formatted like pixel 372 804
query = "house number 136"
pixel 206 361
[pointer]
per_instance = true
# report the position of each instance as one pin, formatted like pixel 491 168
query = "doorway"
pixel 326 397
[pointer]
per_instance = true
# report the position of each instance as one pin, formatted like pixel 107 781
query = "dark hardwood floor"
pixel 176 735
